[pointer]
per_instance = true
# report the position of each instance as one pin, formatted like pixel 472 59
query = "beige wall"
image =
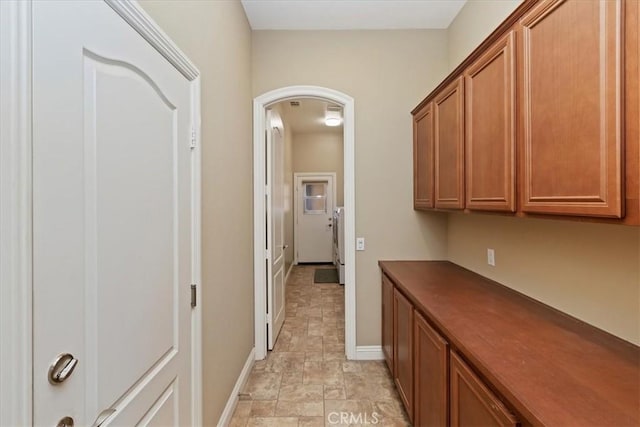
pixel 588 270
pixel 320 152
pixel 475 21
pixel 387 73
pixel 591 271
pixel 217 38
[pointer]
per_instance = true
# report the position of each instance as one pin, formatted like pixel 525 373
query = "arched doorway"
pixel 260 105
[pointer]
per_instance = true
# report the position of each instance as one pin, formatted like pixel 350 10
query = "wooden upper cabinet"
pixel 632 112
pixel 490 137
pixel 449 146
pixel 431 388
pixel 387 321
pixel 472 403
pixel 572 108
pixel 423 158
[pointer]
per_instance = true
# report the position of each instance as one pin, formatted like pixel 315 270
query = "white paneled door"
pixel 275 237
pixel 314 217
pixel 112 223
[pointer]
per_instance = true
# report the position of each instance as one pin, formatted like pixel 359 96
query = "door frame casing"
pixel 16 195
pixel 260 105
pixel 16 315
pixel 296 175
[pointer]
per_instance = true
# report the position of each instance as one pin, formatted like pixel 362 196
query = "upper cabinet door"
pixel 490 128
pixel 572 115
pixel 449 146
pixel 423 158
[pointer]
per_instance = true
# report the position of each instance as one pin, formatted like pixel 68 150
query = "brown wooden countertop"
pixel 552 369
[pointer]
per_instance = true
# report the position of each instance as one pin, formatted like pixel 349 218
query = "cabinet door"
pixel 403 349
pixel 423 158
pixel 449 146
pixel 572 70
pixel 430 375
pixel 472 403
pixel 490 129
pixel 387 321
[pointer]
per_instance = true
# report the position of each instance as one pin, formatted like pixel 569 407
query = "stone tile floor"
pixel 306 380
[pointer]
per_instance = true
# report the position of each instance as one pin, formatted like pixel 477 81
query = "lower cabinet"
pixel 436 386
pixel 467 352
pixel 387 322
pixel 403 349
pixel 430 375
pixel 472 403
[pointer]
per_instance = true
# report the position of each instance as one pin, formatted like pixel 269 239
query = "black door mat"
pixel 325 275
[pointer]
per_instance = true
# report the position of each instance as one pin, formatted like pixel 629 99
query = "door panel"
pixel 138 259
pixel 571 120
pixel 448 109
pixel 275 239
pixel 431 392
pixel 490 129
pixel 403 349
pixel 112 220
pixel 423 158
pixel 314 218
pixel 387 322
pixel 472 403
pixel 162 413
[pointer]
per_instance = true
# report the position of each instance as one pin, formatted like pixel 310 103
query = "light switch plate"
pixel 491 257
pixel 360 244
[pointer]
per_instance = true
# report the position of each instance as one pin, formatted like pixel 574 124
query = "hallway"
pixel 306 380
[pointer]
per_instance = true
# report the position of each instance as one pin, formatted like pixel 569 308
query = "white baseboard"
pixel 230 407
pixel 369 352
pixel 286 277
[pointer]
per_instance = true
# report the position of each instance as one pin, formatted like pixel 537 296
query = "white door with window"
pixel 113 232
pixel 275 232
pixel 314 217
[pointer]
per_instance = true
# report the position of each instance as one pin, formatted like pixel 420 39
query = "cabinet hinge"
pixel 194 301
pixel 192 145
pixel 268 317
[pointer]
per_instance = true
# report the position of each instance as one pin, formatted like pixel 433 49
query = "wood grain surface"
pixel 550 368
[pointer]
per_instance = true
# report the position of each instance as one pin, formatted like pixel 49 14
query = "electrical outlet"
pixel 360 244
pixel 491 257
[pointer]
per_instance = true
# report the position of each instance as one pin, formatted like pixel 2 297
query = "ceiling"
pixel 308 117
pixel 350 14
pixel 342 15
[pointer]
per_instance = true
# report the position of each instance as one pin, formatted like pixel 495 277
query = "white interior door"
pixel 314 217
pixel 112 223
pixel 275 238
